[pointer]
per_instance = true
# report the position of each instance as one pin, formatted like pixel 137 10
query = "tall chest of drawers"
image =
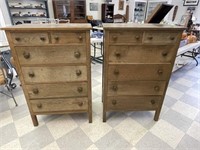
pixel 53 62
pixel 138 61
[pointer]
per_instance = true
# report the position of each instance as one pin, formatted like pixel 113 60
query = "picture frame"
pixel 93 6
pixel 190 2
pixel 121 5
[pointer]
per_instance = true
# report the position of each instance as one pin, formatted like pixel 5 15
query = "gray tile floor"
pixel 177 128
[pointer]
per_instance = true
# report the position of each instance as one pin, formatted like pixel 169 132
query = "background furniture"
pixel 53 64
pixel 137 65
pixel 107 12
pixel 74 10
pixel 27 11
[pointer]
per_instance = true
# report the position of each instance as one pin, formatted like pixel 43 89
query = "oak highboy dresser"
pixel 138 60
pixel 53 62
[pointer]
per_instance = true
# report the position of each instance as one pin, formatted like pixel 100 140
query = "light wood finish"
pixel 53 62
pixel 138 60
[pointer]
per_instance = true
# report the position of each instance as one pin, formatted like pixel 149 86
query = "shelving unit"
pixel 73 10
pixel 107 13
pixel 139 11
pixel 22 11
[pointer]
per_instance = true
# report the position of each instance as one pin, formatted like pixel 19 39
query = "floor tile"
pixel 20 112
pixel 5 118
pixel 191 100
pixel 13 145
pixel 185 82
pixel 174 93
pixel 52 146
pixel 194 131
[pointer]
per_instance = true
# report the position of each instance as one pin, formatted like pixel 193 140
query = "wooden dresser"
pixel 53 62
pixel 138 61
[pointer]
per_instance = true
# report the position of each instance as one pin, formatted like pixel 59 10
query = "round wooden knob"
pixel 77 54
pixel 172 38
pixel 39 105
pixel 156 88
pixel 117 54
pixel 137 37
pixel 17 39
pixel 114 87
pixel 42 38
pixel 78 72
pixel 164 53
pixel 114 38
pixel 116 72
pixel 153 102
pixel 114 102
pixel 80 89
pixel 35 91
pixel 56 38
pixel 80 37
pixel 80 104
pixel 160 71
pixel 26 55
pixel 31 74
pixel 150 37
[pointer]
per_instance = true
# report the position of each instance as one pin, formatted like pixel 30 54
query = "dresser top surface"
pixel 141 26
pixel 32 27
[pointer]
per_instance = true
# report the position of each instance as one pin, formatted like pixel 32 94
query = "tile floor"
pixel 178 126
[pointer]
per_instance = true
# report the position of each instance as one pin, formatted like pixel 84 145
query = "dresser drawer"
pixel 136 88
pixel 54 74
pixel 125 72
pixel 141 54
pixel 27 38
pixel 51 55
pixel 68 37
pixel 125 37
pixel 59 105
pixel 72 89
pixel 162 37
pixel 133 102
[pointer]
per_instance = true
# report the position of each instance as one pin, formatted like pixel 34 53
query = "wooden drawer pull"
pixel 39 105
pixel 153 102
pixel 150 37
pixel 116 72
pixel 35 91
pixel 77 54
pixel 80 89
pixel 160 71
pixel 114 87
pixel 157 88
pixel 17 39
pixel 164 53
pixel 114 38
pixel 114 102
pixel 78 72
pixel 42 38
pixel 80 37
pixel 80 104
pixel 56 38
pixel 117 54
pixel 26 55
pixel 31 74
pixel 137 37
pixel 172 38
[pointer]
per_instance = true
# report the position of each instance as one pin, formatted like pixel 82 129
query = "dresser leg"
pixel 104 116
pixel 157 114
pixel 90 117
pixel 34 120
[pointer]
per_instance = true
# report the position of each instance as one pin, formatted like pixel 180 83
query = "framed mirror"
pixel 190 2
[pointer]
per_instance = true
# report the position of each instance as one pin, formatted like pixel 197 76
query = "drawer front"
pixel 125 37
pixel 40 38
pixel 68 37
pixel 139 72
pixel 136 88
pixel 51 55
pixel 141 54
pixel 162 37
pixel 54 74
pixel 36 91
pixel 133 102
pixel 59 105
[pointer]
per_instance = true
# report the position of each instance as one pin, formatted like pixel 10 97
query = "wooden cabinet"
pixel 107 12
pixel 23 12
pixel 73 10
pixel 138 61
pixel 54 67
